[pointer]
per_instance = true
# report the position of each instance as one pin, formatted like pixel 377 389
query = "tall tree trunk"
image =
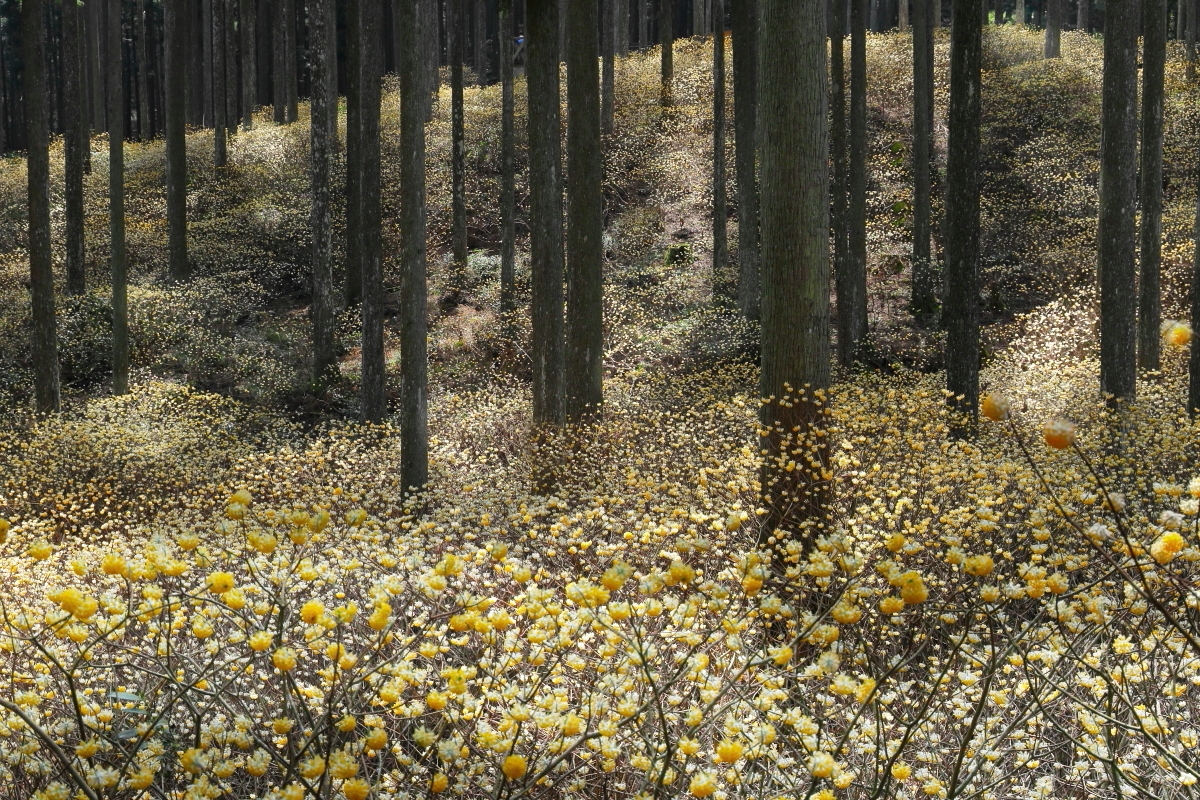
pixel 233 109
pixel 207 69
pixel 508 178
pixel 622 15
pixel 414 382
pixel 839 186
pixel 903 15
pixel 323 104
pixel 374 400
pixel 852 282
pixel 1018 11
pixel 1055 12
pixel 643 24
pixel 583 392
pixel 279 92
pixel 458 148
pixel 1116 229
pixel 745 113
pixel 795 271
pixel 1083 19
pixel 922 295
pixel 1154 55
pixel 480 42
pixel 249 9
pixel 353 289
pixel 143 70
pixel 41 272
pixel 176 144
pixel 545 212
pixel 720 252
pixel 74 143
pixel 666 35
pixel 220 155
pixel 116 200
pixel 291 111
pixel 961 313
pixel 608 34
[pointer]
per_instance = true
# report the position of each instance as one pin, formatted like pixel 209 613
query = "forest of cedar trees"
pixel 599 399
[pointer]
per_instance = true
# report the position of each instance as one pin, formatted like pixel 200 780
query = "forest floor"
pixel 221 400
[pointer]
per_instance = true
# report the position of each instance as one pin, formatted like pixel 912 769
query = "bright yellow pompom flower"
pixel 219 582
pixel 1059 433
pixel 995 407
pixel 729 751
pixel 260 641
pixel 284 659
pixel 514 767
pixel 356 789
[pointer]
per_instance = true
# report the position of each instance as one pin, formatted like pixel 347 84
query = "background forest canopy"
pixel 732 483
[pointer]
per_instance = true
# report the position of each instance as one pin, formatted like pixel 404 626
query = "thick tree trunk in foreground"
pixel 720 203
pixel 922 296
pixel 176 144
pixel 508 177
pixel 414 382
pixel 745 113
pixel 41 274
pixel 1116 232
pixel 961 312
pixel 458 148
pixel 545 211
pixel 583 362
pixel 852 281
pixel 323 105
pixel 116 200
pixel 74 143
pixel 795 266
pixel 1154 55
pixel 374 401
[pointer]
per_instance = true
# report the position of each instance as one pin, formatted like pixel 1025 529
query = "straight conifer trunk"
pixel 374 401
pixel 545 212
pixel 1083 19
pixel 643 24
pixel 961 312
pixel 323 105
pixel 1116 231
pixel 456 30
pixel 720 252
pixel 922 295
pixel 142 30
pixel 666 35
pixel 852 281
pixel 249 50
pixel 508 178
pixel 414 382
pixel 220 152
pixel 1154 55
pixel 1055 13
pixel 41 274
pixel 176 144
pixel 116 200
pixel 279 60
pixel 608 34
pixel 74 142
pixel 353 288
pixel 745 111
pixel 583 390
pixel 837 137
pixel 795 271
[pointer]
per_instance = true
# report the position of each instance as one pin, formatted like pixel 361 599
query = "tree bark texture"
pixel 961 312
pixel 458 148
pixel 74 143
pixel 583 362
pixel 1083 19
pixel 279 51
pixel 1116 229
pixel 374 401
pixel 508 177
pixel 1154 55
pixel 608 34
pixel 795 266
pixel 352 291
pixel 142 32
pixel 852 281
pixel 176 144
pixel 666 35
pixel 116 200
pixel 323 104
pixel 1055 13
pixel 922 295
pixel 41 274
pixel 220 151
pixel 745 110
pixel 249 19
pixel 839 186
pixel 720 200
pixel 545 211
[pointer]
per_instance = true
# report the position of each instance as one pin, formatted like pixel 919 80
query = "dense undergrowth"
pixel 215 586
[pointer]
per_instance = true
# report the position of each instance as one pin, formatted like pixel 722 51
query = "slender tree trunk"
pixel 852 282
pixel 1054 22
pixel 720 254
pixel 795 272
pixel 922 295
pixel 74 142
pixel 176 144
pixel 116 200
pixel 1116 230
pixel 837 139
pixel 217 10
pixel 249 9
pixel 622 15
pixel 745 111
pixel 481 49
pixel 279 59
pixel 414 382
pixel 608 34
pixel 1084 12
pixel 902 8
pixel 207 71
pixel 291 83
pixel 1154 55
pixel 323 103
pixel 583 392
pixel 666 35
pixel 643 23
pixel 142 31
pixel 545 212
pixel 1018 11
pixel 508 181
pixel 374 400
pixel 961 314
pixel 458 153
pixel 354 111
pixel 41 273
